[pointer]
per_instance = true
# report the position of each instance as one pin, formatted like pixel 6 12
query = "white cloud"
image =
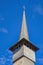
pixel 2 60
pixel 1 18
pixel 40 60
pixel 4 30
pixel 39 10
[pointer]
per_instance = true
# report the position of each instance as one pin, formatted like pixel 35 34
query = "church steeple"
pixel 23 50
pixel 24 31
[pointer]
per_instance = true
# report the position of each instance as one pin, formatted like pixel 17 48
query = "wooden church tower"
pixel 23 50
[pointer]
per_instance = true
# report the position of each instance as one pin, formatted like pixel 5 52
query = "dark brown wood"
pixel 25 42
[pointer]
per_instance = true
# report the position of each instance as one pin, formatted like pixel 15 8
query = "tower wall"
pixel 29 53
pixel 18 53
pixel 24 51
pixel 23 61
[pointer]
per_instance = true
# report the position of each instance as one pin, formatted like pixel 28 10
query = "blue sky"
pixel 10 26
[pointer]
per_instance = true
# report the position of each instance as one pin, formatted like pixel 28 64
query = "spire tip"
pixel 24 8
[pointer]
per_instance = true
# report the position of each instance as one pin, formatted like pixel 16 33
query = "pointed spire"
pixel 24 32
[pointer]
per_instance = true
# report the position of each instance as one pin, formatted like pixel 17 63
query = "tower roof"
pixel 23 42
pixel 24 32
